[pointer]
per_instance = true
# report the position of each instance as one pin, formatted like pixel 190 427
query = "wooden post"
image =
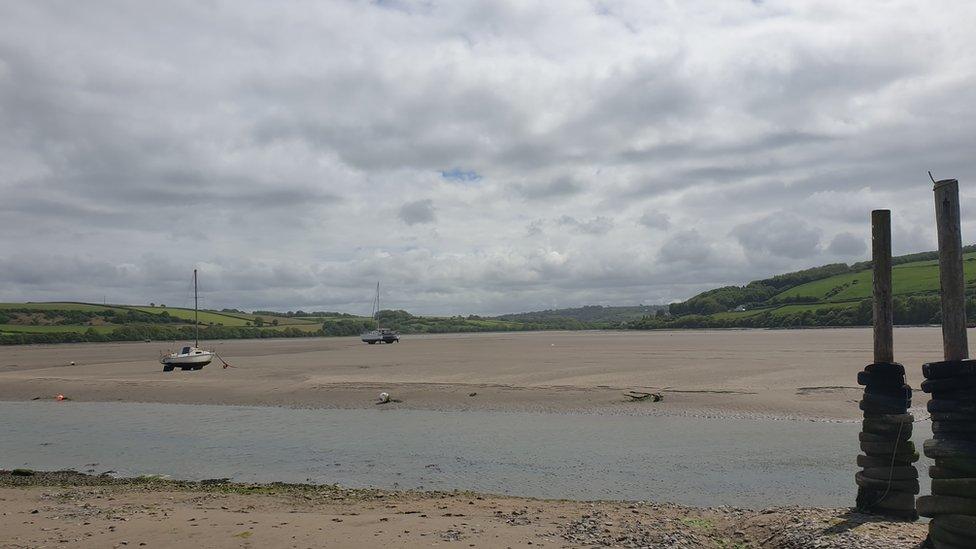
pixel 954 342
pixel 881 258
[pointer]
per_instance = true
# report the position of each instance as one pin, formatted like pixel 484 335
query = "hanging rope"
pixel 224 362
pixel 891 467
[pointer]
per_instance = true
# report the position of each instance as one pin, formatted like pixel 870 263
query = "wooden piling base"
pixel 887 483
pixel 952 504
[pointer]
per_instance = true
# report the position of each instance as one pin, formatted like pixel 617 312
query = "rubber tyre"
pixel 895 401
pixel 868 498
pixel 953 427
pixel 940 540
pixel 966 466
pixel 869 379
pixel 882 428
pixel 961 437
pixel 903 391
pixel 949 368
pixel 943 472
pixel 894 418
pixel 895 473
pixel 885 461
pixel 962 525
pixel 168 368
pixel 873 409
pixel 933 506
pixel 946 536
pixel 952 406
pixel 954 417
pixel 885 368
pixel 959 487
pixel 908 485
pixel 943 448
pixel 887 448
pixel 885 437
pixel 948 384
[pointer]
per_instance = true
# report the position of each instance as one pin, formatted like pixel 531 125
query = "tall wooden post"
pixel 952 384
pixel 954 343
pixel 888 480
pixel 881 259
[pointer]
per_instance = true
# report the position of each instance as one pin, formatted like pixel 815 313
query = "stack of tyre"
pixel 952 504
pixel 888 480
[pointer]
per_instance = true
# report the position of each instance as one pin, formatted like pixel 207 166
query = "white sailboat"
pixel 379 335
pixel 190 358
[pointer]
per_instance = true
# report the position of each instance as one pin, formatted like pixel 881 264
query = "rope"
pixel 224 362
pixel 891 467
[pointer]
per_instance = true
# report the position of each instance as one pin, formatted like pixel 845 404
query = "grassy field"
pixel 22 329
pixel 60 306
pixel 207 317
pixel 907 279
pixel 232 320
pixel 226 319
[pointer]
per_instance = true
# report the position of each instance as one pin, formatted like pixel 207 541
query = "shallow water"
pixel 694 461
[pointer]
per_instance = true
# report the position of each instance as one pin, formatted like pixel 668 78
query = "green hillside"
pixel 59 322
pixel 907 279
pixel 56 322
pixel 831 295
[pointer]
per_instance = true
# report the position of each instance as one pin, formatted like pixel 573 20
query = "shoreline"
pixel 104 511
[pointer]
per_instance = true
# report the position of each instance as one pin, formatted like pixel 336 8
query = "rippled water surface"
pixel 694 461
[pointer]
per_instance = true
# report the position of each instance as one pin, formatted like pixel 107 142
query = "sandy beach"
pixel 796 373
pixel 69 509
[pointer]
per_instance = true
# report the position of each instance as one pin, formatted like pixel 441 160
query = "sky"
pixel 476 157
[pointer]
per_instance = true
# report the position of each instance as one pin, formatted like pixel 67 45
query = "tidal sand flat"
pixel 796 373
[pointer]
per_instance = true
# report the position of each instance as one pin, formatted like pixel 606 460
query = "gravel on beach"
pixel 48 508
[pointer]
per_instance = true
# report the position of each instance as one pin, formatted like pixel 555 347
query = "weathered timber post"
pixel 884 350
pixel 887 482
pixel 952 384
pixel 954 341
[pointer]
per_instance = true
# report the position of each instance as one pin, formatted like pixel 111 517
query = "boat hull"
pixel 380 337
pixel 194 360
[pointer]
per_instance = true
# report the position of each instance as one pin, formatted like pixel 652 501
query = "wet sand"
pixel 793 373
pixel 68 509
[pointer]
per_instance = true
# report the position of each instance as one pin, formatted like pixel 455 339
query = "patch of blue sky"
pixel 461 176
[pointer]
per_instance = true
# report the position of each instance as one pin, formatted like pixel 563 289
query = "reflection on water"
pixel 695 461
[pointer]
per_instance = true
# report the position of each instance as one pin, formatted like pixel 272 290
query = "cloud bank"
pixel 476 157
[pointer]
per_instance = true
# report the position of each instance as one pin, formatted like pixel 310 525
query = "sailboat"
pixel 190 358
pixel 379 335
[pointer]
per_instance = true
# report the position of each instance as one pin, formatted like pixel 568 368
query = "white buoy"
pixel 72 363
pixel 384 398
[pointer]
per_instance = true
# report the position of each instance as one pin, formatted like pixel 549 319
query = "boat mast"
pixel 196 323
pixel 376 315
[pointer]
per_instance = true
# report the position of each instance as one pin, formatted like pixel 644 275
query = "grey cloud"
pixel 556 188
pixel 419 211
pixel 655 219
pixel 686 247
pixel 847 245
pixel 595 226
pixel 280 148
pixel 781 235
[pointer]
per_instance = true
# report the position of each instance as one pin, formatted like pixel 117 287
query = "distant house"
pixel 740 308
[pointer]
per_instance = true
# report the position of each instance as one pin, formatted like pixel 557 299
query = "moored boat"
pixel 379 335
pixel 190 357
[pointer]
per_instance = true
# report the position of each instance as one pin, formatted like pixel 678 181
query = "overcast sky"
pixel 475 157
